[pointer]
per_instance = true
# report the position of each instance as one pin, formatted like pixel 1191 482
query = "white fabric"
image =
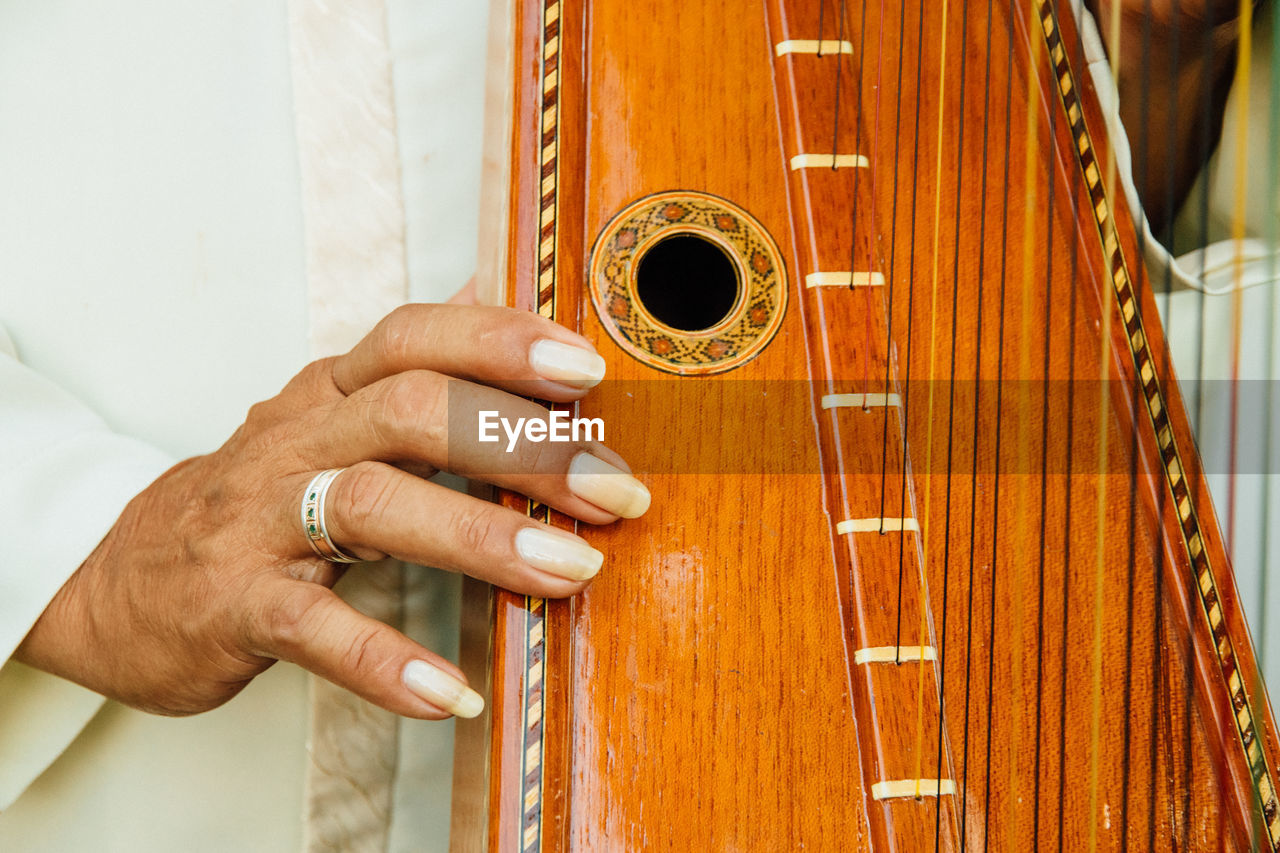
pixel 66 477
pixel 153 265
pixel 1197 318
pixel 353 213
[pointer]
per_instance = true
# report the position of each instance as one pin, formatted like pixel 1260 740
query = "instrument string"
pixel 1044 482
pixel 1244 60
pixel 977 409
pixel 1273 239
pixel 822 12
pixel 888 358
pixel 1070 478
pixel 871 243
pixel 1161 686
pixel 907 393
pixel 835 119
pixel 867 312
pixel 930 377
pixel 1204 151
pixel 995 500
pixel 1159 668
pixel 1184 804
pixel 1135 401
pixel 1099 566
pixel 1240 84
pixel 1023 536
pixel 951 415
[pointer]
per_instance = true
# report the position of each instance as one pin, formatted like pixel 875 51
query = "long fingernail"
pixel 567 556
pixel 442 689
pixel 610 488
pixel 566 363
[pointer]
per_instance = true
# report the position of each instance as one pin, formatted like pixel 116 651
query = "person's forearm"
pixel 1174 67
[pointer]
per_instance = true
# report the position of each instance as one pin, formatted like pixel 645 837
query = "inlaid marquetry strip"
pixel 829 161
pixel 534 742
pixel 894 654
pixel 1246 722
pixel 548 188
pixel 823 47
pixel 844 279
pixel 895 788
pixel 533 753
pixel 877 525
pixel 860 401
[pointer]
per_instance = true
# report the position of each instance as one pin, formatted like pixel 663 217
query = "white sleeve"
pixel 64 479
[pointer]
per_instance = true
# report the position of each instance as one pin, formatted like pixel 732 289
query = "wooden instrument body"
pixel 703 693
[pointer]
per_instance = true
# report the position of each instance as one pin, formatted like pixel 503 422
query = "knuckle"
pixel 540 457
pixel 477 532
pixel 361 652
pixel 260 415
pixel 362 494
pixel 396 338
pixel 407 408
pixel 292 618
pixel 499 330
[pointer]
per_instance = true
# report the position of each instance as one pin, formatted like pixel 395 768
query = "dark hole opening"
pixel 687 282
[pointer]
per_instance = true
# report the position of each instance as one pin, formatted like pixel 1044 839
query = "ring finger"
pixel 373 509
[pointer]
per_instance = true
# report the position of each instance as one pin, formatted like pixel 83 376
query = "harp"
pixel 931 562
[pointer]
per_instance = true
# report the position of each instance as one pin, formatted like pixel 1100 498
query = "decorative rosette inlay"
pixel 736 338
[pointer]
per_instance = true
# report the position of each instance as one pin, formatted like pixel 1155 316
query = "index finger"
pixel 517 351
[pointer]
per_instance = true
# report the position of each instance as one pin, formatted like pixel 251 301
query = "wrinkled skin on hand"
pixel 207 579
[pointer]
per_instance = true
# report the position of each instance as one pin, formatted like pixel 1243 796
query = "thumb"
pixel 309 625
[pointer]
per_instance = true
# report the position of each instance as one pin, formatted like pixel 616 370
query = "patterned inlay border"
pixel 1153 395
pixel 532 704
pixel 733 341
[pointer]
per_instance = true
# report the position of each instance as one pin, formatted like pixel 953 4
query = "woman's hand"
pixel 207 577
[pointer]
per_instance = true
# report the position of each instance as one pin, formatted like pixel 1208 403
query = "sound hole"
pixel 687 282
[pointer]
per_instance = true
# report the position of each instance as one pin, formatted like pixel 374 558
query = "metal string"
pixel 977 409
pixel 933 313
pixel 835 121
pixel 1244 59
pixel 888 356
pixel 995 500
pixel 1184 806
pixel 1044 484
pixel 1030 290
pixel 906 387
pixel 1143 151
pixel 1099 566
pixel 1273 239
pixel 1069 475
pixel 871 243
pixel 951 415
pixel 853 243
pixel 822 12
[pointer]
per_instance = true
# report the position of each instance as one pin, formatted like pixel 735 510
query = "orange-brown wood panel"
pixel 1090 682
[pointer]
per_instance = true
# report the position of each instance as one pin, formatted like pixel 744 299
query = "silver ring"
pixel 313 518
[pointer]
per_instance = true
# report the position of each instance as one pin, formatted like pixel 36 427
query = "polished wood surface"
pixel 1092 683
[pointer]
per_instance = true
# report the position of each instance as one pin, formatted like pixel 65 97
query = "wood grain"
pixel 703 693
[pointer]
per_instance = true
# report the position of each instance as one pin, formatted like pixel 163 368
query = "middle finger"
pixel 421 417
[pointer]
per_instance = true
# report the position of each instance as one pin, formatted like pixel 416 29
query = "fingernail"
pixel 567 556
pixel 610 488
pixel 566 363
pixel 441 689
